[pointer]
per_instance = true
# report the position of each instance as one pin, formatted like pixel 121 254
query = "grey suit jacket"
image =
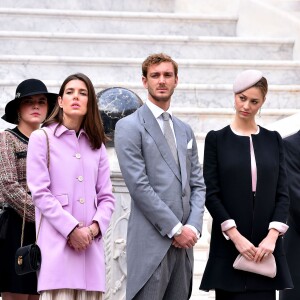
pixel 162 194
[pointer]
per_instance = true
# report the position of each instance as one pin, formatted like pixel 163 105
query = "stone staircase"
pixel 108 40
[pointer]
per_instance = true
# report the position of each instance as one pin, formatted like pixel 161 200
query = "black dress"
pixel 227 175
pixel 9 280
pixel 292 237
pixel 292 246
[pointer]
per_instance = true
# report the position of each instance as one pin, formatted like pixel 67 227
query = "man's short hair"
pixel 155 59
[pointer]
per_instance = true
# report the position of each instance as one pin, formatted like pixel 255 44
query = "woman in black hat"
pixel 28 110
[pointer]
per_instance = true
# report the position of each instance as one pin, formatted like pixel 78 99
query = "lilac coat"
pixel 76 190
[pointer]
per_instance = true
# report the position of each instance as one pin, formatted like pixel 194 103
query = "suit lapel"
pixel 152 127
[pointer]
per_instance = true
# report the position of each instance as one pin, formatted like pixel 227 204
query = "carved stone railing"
pixel 115 242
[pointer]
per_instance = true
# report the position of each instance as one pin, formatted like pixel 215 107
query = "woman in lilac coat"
pixel 74 197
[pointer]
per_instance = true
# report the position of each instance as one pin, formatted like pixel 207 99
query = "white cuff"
pixel 194 229
pixel 227 225
pixel 174 230
pixel 279 226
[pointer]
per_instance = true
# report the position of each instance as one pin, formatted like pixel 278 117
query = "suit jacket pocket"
pixel 189 153
pixel 63 199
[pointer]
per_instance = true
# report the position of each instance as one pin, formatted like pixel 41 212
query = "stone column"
pixel 115 238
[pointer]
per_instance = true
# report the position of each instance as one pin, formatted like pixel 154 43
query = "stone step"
pixel 186 95
pixel 218 95
pixel 200 258
pixel 51 20
pixel 203 120
pixel 133 45
pixel 115 5
pixel 108 69
pixel 201 295
pixel 221 95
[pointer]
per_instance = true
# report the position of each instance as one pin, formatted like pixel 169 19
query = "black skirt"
pixel 248 295
pixel 291 241
pixel 9 280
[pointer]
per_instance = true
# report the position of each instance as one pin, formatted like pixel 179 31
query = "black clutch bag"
pixel 28 258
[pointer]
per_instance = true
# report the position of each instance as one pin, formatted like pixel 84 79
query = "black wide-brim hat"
pixel 28 87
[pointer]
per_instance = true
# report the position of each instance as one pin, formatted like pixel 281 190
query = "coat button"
pixel 80 178
pixel 81 200
pixel 78 155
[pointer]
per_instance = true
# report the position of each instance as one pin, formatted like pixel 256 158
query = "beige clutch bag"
pixel 267 267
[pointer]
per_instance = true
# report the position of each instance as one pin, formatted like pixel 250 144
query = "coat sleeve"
pixel 105 198
pixel 38 180
pixel 292 156
pixel 211 177
pixel 196 183
pixel 282 196
pixel 13 193
pixel 128 145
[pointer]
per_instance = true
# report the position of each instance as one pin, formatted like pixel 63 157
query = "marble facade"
pixel 104 45
pixel 108 39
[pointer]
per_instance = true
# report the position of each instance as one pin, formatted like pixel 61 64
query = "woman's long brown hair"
pixel 92 122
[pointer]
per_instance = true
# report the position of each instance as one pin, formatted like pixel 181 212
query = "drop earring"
pixel 259 113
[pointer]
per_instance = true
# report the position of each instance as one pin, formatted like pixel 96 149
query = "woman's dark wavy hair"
pixel 92 122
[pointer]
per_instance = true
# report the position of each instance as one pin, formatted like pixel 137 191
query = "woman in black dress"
pixel 247 197
pixel 28 110
pixel 291 239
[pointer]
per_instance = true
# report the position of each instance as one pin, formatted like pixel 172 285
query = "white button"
pixel 78 155
pixel 81 200
pixel 80 224
pixel 80 178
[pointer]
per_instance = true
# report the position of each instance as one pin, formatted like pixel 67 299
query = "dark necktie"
pixel 168 133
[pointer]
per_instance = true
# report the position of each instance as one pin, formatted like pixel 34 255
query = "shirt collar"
pixel 62 129
pixel 157 111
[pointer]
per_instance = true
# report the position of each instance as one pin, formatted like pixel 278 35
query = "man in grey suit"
pixel 159 161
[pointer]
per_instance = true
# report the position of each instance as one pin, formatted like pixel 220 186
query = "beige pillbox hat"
pixel 245 80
